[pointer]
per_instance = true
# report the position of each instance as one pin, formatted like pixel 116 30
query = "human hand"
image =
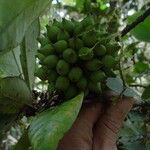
pixel 96 127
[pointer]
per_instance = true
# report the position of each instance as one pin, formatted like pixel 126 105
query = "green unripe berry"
pixel 43 40
pixel 57 23
pixel 112 48
pixel 78 29
pixel 108 61
pixel 75 74
pixel 94 87
pixel 46 50
pixel 60 46
pixel 71 92
pixel 85 53
pixel 40 56
pixel 100 50
pixel 109 72
pixel 75 43
pixel 51 88
pixel 52 75
pixel 63 35
pixel 51 61
pixel 41 73
pixel 52 32
pixel 68 25
pixel 87 21
pixel 62 83
pixel 93 65
pixel 97 76
pixel 62 67
pixel 82 83
pixel 70 55
pixel 89 39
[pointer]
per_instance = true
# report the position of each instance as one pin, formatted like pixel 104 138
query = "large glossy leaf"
pixel 28 51
pixel 15 18
pixel 14 93
pixel 48 127
pixel 141 31
pixel 10 63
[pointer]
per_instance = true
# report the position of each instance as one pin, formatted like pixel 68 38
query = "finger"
pixel 106 129
pixel 80 135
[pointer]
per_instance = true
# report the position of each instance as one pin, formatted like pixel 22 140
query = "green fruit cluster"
pixel 75 56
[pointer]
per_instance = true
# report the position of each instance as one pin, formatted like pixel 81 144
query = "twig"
pixel 131 26
pixel 138 85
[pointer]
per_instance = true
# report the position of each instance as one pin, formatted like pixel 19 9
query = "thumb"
pixel 106 129
pixel 79 137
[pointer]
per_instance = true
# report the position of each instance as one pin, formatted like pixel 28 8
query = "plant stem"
pixel 131 26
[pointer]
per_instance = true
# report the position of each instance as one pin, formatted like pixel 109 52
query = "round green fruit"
pixel 75 74
pixel 85 53
pixel 70 55
pixel 57 23
pixel 78 29
pixel 89 39
pixel 87 21
pixel 82 83
pixel 51 61
pixel 41 73
pixel 93 65
pixel 68 25
pixel 109 72
pixel 71 92
pixel 108 61
pixel 94 87
pixel 62 83
pixel 60 46
pixel 52 75
pixel 63 35
pixel 43 40
pixel 52 32
pixel 46 49
pixel 97 76
pixel 100 50
pixel 40 56
pixel 51 88
pixel 75 43
pixel 62 67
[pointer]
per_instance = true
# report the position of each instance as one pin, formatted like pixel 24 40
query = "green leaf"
pixel 115 84
pixel 48 127
pixel 10 63
pixel 80 5
pixel 15 18
pixel 146 93
pixel 23 143
pixel 130 93
pixel 28 51
pixel 14 93
pixel 141 67
pixel 141 31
